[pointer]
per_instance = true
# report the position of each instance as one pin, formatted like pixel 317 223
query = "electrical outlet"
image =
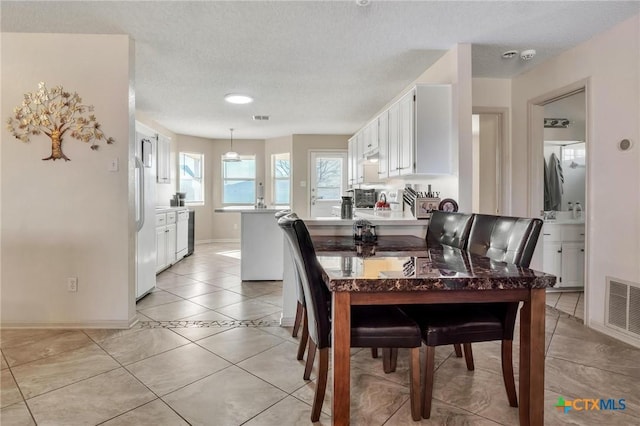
pixel 72 284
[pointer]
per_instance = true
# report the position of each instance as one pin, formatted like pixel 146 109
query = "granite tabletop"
pixel 434 268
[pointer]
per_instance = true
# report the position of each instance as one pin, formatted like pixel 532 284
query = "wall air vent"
pixel 260 118
pixel 623 306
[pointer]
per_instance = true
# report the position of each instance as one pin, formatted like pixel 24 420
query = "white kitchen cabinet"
pixel 383 145
pixel 414 134
pixel 182 234
pixel 394 140
pixel 351 171
pixel 163 159
pixel 359 169
pixel 370 138
pixel 161 252
pixel 167 239
pixel 563 253
pixel 406 136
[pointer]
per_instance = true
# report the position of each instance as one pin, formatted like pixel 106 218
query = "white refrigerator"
pixel 145 213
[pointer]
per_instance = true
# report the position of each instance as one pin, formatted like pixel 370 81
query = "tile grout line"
pixel 24 401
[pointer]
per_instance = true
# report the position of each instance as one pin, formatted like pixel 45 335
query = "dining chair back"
pixel 301 313
pixel 449 228
pixel 505 239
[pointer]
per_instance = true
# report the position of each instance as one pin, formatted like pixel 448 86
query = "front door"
pixel 328 181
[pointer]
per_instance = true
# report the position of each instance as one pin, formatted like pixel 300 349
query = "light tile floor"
pixel 571 302
pixel 208 351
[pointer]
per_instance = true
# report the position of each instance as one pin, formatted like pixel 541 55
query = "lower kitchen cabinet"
pixel 563 253
pixel 167 239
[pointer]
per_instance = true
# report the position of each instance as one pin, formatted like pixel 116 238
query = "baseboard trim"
pixel 615 334
pixel 71 324
pixel 222 240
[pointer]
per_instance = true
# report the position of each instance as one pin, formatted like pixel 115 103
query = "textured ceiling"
pixel 319 67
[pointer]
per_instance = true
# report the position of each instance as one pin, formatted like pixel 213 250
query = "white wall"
pixel 68 219
pixel 610 63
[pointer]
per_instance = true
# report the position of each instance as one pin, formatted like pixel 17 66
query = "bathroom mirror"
pixel 565 153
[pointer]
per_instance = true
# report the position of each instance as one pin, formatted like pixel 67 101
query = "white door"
pixel 328 181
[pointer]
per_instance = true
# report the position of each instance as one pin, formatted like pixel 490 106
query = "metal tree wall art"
pixel 55 112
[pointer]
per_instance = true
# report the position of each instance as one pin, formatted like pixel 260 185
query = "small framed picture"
pixel 424 267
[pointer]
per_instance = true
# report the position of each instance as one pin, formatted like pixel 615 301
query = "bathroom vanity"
pixel 563 252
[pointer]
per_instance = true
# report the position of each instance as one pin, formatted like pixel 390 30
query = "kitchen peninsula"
pixel 387 223
pixel 261 243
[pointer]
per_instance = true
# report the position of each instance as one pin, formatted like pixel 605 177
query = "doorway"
pixel 487 130
pixel 328 181
pixel 558 186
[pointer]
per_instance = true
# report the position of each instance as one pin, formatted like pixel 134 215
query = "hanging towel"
pixel 547 192
pixel 556 180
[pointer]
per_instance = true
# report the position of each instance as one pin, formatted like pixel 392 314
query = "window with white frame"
pixel 191 176
pixel 239 181
pixel 281 175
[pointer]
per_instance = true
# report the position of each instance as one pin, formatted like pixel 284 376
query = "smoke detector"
pixel 526 55
pixel 509 54
pixel 363 3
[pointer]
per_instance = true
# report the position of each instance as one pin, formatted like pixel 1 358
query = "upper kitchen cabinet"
pixel 425 121
pixel 370 139
pixel 360 169
pixel 414 134
pixel 164 159
pixel 383 145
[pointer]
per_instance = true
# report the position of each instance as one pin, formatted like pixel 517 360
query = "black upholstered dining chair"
pixel 448 228
pixel 301 313
pixel 371 326
pixel 502 239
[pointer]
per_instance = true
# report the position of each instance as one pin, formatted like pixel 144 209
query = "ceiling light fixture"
pixel 231 156
pixel 363 3
pixel 510 54
pixel 526 55
pixel 234 98
pixel 556 123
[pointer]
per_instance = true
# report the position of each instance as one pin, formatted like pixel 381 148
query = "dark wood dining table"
pixel 404 270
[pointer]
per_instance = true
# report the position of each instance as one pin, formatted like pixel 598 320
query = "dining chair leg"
pixel 468 356
pixel 389 359
pixel 507 372
pixel 298 320
pixel 374 352
pixel 427 384
pixel 321 385
pixel 458 350
pixel 414 372
pixel 305 334
pixel 394 359
pixel 311 356
pixel 386 360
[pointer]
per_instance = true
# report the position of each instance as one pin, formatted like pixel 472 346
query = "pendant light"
pixel 231 156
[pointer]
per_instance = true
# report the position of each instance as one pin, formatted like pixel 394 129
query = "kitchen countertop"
pixel 380 220
pixel 249 209
pixel 164 209
pixel 564 221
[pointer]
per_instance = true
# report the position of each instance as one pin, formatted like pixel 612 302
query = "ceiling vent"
pixel 260 118
pixel 623 306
